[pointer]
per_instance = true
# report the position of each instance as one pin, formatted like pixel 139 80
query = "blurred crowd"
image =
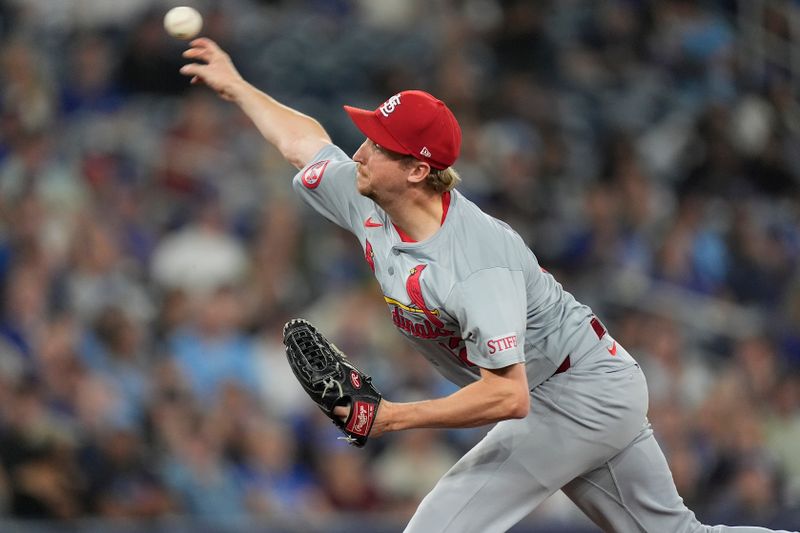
pixel 151 248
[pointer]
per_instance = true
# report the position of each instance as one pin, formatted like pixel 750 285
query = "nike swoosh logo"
pixel 613 349
pixel 372 224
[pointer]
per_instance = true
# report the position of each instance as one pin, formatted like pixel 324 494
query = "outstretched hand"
pixel 214 68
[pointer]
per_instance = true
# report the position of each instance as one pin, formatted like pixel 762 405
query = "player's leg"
pixel 487 491
pixel 576 423
pixel 634 491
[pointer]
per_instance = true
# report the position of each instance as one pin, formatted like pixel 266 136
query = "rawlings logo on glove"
pixel 361 417
pixel 331 380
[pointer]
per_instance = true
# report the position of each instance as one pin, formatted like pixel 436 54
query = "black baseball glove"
pixel 331 380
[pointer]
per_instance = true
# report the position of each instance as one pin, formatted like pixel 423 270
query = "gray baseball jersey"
pixel 472 296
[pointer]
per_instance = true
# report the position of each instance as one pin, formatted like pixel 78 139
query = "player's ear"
pixel 418 171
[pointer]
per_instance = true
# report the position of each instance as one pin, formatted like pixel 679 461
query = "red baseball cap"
pixel 412 123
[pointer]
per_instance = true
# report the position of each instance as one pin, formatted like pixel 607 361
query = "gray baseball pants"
pixel 586 434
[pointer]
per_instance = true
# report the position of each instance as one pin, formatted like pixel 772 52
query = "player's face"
pixel 381 173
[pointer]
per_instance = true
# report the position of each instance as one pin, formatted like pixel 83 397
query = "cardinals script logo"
pixel 407 317
pixel 312 176
pixel 422 322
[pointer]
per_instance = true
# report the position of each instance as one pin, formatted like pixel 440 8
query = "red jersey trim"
pixel 405 237
pixel 445 205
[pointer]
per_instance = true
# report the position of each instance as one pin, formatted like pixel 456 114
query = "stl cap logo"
pixel 312 176
pixel 425 151
pixel 389 105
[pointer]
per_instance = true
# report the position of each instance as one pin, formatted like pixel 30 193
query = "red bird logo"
pixel 415 293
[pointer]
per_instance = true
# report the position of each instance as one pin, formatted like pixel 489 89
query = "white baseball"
pixel 183 22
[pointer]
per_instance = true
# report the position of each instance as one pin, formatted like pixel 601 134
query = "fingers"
pixel 203 49
pixel 192 69
pixel 199 53
pixel 204 42
pixel 205 53
pixel 342 411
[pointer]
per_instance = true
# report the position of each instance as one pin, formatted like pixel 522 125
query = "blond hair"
pixel 440 181
pixel 443 180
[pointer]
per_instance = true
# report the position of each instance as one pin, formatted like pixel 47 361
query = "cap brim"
pixel 368 123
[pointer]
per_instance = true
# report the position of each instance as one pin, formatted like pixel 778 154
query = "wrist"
pixel 240 91
pixel 387 415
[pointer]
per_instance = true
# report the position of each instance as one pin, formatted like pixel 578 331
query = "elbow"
pixel 292 154
pixel 296 162
pixel 519 405
pixel 521 409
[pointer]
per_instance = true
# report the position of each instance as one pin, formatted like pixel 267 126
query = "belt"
pixel 598 327
pixel 599 330
pixel 563 367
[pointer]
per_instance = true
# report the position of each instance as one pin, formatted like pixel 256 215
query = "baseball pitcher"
pixel 570 402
